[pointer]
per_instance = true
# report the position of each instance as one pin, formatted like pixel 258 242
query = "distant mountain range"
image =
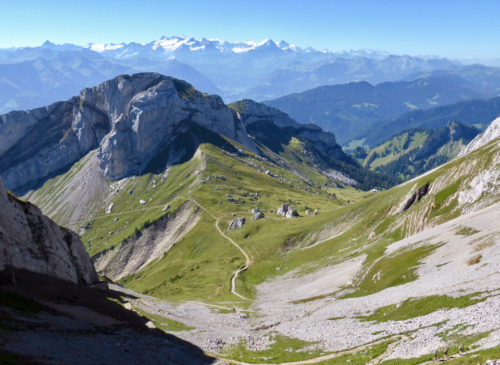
pixel 35 76
pixel 349 109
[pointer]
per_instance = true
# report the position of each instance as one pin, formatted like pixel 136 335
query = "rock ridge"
pixel 128 120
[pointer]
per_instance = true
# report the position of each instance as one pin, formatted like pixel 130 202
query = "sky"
pixel 450 28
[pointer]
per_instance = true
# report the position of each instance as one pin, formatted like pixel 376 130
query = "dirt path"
pixel 247 258
pixel 115 214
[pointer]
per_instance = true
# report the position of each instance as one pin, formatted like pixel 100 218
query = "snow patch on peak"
pixel 102 47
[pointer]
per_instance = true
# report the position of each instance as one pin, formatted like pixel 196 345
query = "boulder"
pixel 237 223
pixel 292 212
pixel 286 211
pixel 257 214
pixel 282 210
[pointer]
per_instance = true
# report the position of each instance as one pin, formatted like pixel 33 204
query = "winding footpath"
pixel 247 258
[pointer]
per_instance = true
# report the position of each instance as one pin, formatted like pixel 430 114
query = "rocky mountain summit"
pixel 147 122
pixel 31 241
pixel 128 120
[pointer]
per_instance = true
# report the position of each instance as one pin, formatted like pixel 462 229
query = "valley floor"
pixel 314 318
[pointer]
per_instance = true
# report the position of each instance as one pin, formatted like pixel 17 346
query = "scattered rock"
pixel 115 220
pixel 142 202
pixel 286 211
pixel 237 223
pixel 167 207
pixel 257 214
pixel 214 345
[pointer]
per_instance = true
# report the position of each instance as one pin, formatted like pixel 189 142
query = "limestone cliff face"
pixel 128 119
pixel 31 241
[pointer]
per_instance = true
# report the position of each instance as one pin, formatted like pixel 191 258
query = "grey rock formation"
pixel 31 241
pixel 282 210
pixel 129 120
pixel 489 134
pixel 237 223
pixel 287 211
pixel 257 214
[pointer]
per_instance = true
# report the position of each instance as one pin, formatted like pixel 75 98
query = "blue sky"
pixel 453 28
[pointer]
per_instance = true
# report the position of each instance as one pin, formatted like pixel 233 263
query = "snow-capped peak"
pixel 173 43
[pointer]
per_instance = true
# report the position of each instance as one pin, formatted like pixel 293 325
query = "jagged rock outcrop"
pixel 31 241
pixel 489 134
pixel 272 127
pixel 129 119
pixel 237 223
pixel 416 196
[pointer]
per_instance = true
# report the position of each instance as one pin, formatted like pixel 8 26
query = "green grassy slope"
pixel 275 242
pixel 201 264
